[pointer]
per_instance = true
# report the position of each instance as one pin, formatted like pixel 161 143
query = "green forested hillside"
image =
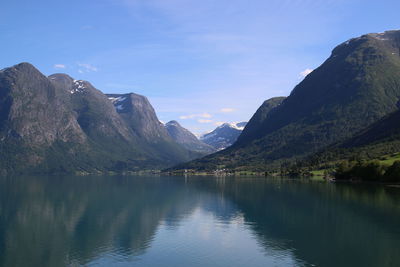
pixel 355 87
pixel 375 142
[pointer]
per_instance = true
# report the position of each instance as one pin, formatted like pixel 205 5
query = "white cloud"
pixel 227 110
pixel 218 123
pixel 87 68
pixel 80 71
pixel 204 121
pixel 305 72
pixel 59 66
pixel 193 116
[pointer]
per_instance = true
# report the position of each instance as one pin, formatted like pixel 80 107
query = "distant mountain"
pixel 141 118
pixel 187 139
pixel 355 87
pixel 57 124
pixel 223 136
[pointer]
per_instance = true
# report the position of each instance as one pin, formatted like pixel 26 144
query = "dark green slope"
pixel 384 130
pixel 379 139
pixel 356 86
pixel 219 160
pixel 256 122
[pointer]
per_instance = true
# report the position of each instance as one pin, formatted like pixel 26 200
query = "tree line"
pixel 373 171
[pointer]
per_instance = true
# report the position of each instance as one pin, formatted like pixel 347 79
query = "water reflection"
pixel 196 221
pixel 324 225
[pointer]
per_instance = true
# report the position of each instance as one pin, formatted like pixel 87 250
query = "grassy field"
pixel 386 160
pixel 389 159
pixel 318 172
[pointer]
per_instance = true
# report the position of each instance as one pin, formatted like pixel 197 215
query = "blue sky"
pixel 201 62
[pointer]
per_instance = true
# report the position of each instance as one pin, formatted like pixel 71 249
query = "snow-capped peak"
pixel 234 125
pixel 224 135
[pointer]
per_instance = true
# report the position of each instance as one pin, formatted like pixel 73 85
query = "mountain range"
pixel 347 106
pixel 357 86
pixel 57 124
pixel 224 135
pixel 187 139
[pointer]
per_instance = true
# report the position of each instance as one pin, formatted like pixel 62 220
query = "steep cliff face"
pixel 187 139
pixel 139 115
pixel 93 111
pixel 33 110
pixel 57 124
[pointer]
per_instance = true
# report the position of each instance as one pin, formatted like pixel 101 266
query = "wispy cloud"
pixel 59 66
pixel 305 72
pixel 84 67
pixel 204 121
pixel 218 123
pixel 224 55
pixel 227 110
pixel 194 116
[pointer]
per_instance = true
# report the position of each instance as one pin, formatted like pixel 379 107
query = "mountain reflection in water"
pixel 176 221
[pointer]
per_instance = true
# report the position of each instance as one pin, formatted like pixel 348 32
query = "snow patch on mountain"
pixel 79 87
pixel 224 135
pixel 116 100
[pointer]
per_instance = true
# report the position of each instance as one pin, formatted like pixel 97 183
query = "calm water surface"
pixel 173 221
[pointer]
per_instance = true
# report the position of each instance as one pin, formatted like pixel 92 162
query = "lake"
pixel 196 221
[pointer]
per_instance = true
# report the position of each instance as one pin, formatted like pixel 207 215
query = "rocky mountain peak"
pixel 140 115
pixel 224 135
pixel 173 123
pixel 186 138
pixel 24 67
pixel 59 124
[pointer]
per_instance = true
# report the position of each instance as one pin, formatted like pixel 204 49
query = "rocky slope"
pixel 57 124
pixel 187 139
pixel 223 136
pixel 140 117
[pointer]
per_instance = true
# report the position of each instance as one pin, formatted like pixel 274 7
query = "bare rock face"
pixel 140 116
pixel 33 110
pixel 57 124
pixel 93 112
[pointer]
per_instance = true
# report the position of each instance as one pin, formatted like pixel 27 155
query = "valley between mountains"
pixel 346 108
